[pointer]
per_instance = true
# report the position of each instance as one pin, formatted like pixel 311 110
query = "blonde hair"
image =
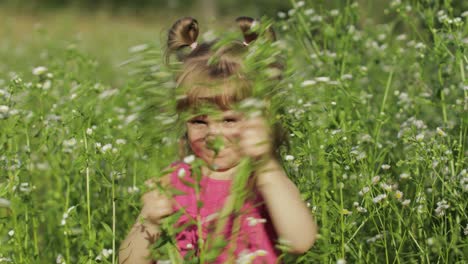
pixel 209 74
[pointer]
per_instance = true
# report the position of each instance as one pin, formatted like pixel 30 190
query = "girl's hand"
pixel 156 206
pixel 256 139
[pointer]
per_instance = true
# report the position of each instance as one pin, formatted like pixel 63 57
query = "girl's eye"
pixel 230 120
pixel 198 122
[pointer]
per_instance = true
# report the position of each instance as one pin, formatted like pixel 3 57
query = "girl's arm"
pixel 291 218
pixel 135 248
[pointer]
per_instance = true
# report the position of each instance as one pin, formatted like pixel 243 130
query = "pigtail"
pixel 246 24
pixel 183 34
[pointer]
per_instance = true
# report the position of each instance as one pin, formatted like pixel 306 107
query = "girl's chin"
pixel 221 165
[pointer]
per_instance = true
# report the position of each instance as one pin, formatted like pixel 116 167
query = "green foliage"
pixel 376 115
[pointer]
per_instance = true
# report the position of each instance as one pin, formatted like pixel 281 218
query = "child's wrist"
pixel 266 169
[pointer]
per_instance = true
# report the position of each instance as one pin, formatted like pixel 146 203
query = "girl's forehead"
pixel 216 113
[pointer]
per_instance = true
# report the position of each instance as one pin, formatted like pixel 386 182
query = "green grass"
pixel 376 114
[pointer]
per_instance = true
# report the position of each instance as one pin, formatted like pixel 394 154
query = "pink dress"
pixel 256 238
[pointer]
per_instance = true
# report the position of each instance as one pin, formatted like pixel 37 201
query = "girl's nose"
pixel 214 129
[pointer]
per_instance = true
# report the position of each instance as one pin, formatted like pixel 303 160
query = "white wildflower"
pixel 24 187
pixel 341 261
pixel 59 259
pixel 39 70
pixel 379 198
pixel 361 209
pixel 375 238
pixel 430 241
pixel 420 137
pixel 106 148
pixel 316 18
pixel 120 141
pixel 385 186
pixel 385 167
pixel 300 4
pixel 399 194
pixel 246 257
pixel 375 179
pixel 46 85
pixel 11 232
pixel 289 157
pixel 404 176
pixel 189 159
pixel 308 83
pixel 420 45
pixel 108 93
pixel 364 190
pixel 334 12
pixel 322 79
pixel 181 173
pixel 406 202
pixel 70 209
pixel 133 189
pixel 252 221
pixel 347 76
pixel 105 253
pixel 69 143
pixel 4 109
pixel 5 203
pixel 395 3
pixel 281 14
pixel 89 131
pixel 441 132
pixel 442 206
pixel 13 112
pixel 309 12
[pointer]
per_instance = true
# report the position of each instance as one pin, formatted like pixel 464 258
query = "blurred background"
pixel 106 29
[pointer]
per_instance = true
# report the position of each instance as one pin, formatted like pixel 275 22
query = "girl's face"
pixel 224 126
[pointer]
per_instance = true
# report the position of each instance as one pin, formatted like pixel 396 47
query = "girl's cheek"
pixel 232 133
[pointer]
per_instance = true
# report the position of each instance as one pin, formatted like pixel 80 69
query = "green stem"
pixel 113 221
pixel 67 204
pixel 342 224
pixel 88 199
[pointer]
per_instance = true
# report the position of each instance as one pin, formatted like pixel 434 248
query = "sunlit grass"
pixel 376 115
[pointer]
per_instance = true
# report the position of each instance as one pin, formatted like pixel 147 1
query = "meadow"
pixel 376 115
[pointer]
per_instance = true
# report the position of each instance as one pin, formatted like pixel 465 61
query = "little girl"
pixel 274 211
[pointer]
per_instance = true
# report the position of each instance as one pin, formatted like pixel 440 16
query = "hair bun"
pixel 183 33
pixel 246 23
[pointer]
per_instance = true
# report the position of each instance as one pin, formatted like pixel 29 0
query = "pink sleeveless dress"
pixel 256 239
